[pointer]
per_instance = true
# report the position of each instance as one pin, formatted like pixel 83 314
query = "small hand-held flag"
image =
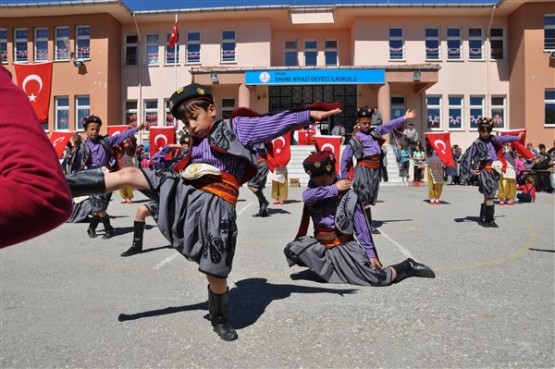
pixel 174 37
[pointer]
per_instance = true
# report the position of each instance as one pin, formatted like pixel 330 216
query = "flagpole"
pixel 176 52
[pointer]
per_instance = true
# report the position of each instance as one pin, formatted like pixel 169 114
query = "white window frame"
pixel 548 42
pixel 23 54
pixel 4 45
pixel 191 57
pixel 58 55
pixel 431 119
pixel 40 54
pixel 82 52
pixel 473 120
pixel 549 101
pixel 170 119
pixel 393 52
pixel 152 44
pixel 130 115
pixel 497 39
pixel 397 109
pixel 475 54
pixel 309 51
pixel 451 39
pixel 131 45
pixel 58 109
pixel 291 51
pixel 81 111
pixel 497 107
pixel 329 50
pixel 228 56
pixel 460 108
pixel 435 39
pixel 150 113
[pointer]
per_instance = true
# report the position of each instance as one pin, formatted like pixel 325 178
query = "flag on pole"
pixel 441 142
pixel 59 140
pixel 35 80
pixel 174 37
pixel 519 145
pixel 333 144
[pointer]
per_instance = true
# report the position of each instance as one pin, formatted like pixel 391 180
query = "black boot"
pixel 137 246
pixel 92 226
pixel 410 268
pixel 368 213
pixel 263 203
pixel 107 227
pixel 490 220
pixel 482 220
pixel 87 182
pixel 217 307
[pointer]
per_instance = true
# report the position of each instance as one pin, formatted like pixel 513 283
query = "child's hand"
pixel 375 262
pixel 343 185
pixel 411 113
pixel 318 115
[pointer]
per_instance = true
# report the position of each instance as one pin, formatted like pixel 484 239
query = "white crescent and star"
pixel 441 143
pixel 162 137
pixel 29 78
pixel 57 141
pixel 330 146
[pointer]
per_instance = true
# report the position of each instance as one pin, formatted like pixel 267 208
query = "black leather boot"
pixel 87 182
pixel 368 213
pixel 262 203
pixel 482 220
pixel 92 226
pixel 490 220
pixel 410 268
pixel 217 307
pixel 107 227
pixel 137 246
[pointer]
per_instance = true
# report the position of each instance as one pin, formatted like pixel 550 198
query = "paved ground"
pixel 71 302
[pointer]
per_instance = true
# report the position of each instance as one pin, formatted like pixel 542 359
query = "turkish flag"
pixel 160 137
pixel 333 144
pixel 306 136
pixel 279 151
pixel 174 37
pixel 59 140
pixel 441 142
pixel 35 80
pixel 117 129
pixel 519 145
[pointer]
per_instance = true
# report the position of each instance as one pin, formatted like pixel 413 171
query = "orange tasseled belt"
pixel 372 162
pixel 225 186
pixel 331 238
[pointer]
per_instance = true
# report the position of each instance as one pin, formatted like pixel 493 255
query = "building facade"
pixel 453 64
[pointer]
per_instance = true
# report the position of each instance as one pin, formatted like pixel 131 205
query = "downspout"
pixel 488 57
pixel 140 102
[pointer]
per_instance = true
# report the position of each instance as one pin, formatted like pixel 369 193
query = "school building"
pixel 452 62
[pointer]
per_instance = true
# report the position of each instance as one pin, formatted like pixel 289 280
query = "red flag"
pixel 519 146
pixel 59 140
pixel 117 129
pixel 515 132
pixel 35 80
pixel 279 151
pixel 174 37
pixel 441 142
pixel 333 144
pixel 160 137
pixel 306 136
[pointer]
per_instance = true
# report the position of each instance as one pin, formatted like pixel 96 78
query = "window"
pixel 497 43
pixel 476 110
pixel 61 118
pixel 151 112
pixel 62 43
pixel 432 44
pixel 131 112
pixel 433 107
pixel 3 45
pixel 41 44
pixel 170 120
pixel 550 107
pixel 330 52
pixel 498 111
pixel 152 49
pixel 172 53
pixel 455 112
pixel 396 44
pixel 454 51
pixel 397 106
pixel 291 54
pixel 228 46
pixel 310 52
pixel 549 32
pixel 82 110
pixel 131 50
pixel 228 104
pixel 475 44
pixel 83 42
pixel 193 47
pixel 20 44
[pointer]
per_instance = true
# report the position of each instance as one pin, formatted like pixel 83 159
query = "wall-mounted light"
pixel 214 78
pixel 416 76
pixel 78 63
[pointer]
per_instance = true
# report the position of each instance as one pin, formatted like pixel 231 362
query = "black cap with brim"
pixel 191 92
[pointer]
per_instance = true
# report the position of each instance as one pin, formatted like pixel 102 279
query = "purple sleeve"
pixel 362 233
pixel 390 126
pixel 254 130
pixel 502 140
pixel 346 161
pixel 313 194
pixel 122 136
pixel 158 158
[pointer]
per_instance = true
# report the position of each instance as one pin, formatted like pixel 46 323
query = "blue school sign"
pixel 315 77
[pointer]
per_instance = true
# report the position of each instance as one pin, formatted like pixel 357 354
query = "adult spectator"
pixel 411 136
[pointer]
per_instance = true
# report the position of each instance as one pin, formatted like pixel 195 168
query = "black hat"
pixel 194 91
pixel 92 119
pixel 322 162
pixel 364 112
pixel 485 123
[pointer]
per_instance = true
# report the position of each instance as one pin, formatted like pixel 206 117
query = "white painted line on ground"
pixel 401 248
pixel 166 261
pixel 245 208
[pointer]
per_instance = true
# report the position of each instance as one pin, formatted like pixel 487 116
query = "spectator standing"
pixel 419 159
pixel 411 137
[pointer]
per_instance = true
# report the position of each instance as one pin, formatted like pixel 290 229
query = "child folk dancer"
pixel 197 198
pixel 96 151
pixel 477 160
pixel 258 182
pixel 435 176
pixel 365 145
pixel 342 249
pixel 507 177
pixel 126 157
